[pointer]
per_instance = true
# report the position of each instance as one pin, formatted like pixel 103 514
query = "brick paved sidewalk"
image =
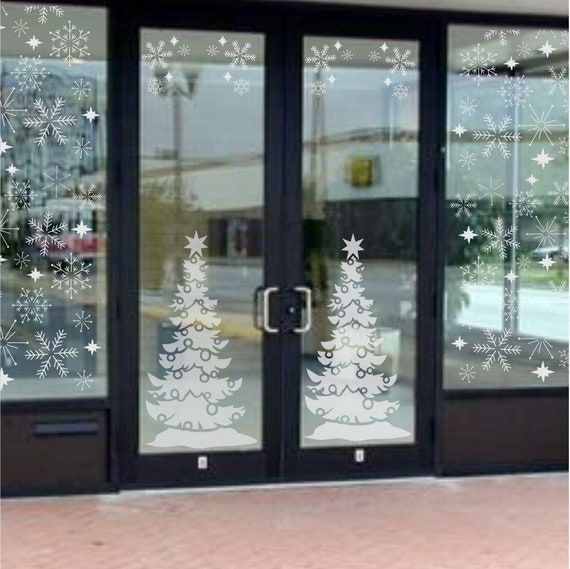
pixel 473 523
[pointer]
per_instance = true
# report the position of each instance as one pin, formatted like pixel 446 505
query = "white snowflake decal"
pixel 30 73
pixel 31 305
pixel 478 63
pixel 241 86
pixel 71 275
pixel 400 61
pixel 318 88
pixel 20 27
pixel 8 111
pixel 400 91
pixel 81 89
pixel 87 195
pixel 157 55
pixel 546 234
pixel 52 354
pixel 467 373
pixel 497 136
pixel 497 349
pixel 69 43
pixel 515 91
pixel 43 11
pixel 156 86
pixel 538 345
pixel 560 193
pixel 56 182
pixel 541 125
pixel 82 320
pixel 46 233
pixel 5 230
pixel 463 205
pixel 84 380
pixel 20 194
pixel 320 58
pixel 500 238
pixel 501 35
pixel 240 56
pixel 478 272
pixel 492 190
pixel 82 147
pixel 468 106
pixel 557 82
pixel 9 345
pixel 50 121
pixel 525 203
pixel 467 159
pixel 563 358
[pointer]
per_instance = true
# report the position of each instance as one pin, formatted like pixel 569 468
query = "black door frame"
pixel 123 209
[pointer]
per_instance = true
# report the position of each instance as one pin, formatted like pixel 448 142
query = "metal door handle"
pixel 266 294
pixel 308 308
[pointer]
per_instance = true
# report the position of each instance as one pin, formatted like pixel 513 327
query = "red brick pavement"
pixel 475 523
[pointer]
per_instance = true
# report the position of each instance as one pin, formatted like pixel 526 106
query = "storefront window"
pixel 506 279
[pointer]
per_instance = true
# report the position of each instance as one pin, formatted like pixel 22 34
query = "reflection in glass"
pixel 360 136
pixel 52 205
pixel 506 304
pixel 201 200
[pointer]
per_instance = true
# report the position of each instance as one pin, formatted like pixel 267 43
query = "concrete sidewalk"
pixel 511 522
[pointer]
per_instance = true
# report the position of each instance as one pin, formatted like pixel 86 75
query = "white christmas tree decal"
pixel 187 400
pixel 350 395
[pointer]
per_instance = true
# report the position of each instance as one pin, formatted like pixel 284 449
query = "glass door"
pixel 357 365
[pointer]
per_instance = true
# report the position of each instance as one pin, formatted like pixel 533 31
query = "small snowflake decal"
pixel 69 43
pixel 46 233
pixel 52 354
pixel 478 63
pixel 31 305
pixel 497 136
pixel 50 121
pixel 71 275
pixel 478 272
pixel 497 349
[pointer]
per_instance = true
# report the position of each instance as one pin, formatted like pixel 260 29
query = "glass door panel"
pixel 360 196
pixel 201 240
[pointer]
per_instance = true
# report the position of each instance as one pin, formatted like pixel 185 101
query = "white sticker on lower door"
pixel 187 399
pixel 350 394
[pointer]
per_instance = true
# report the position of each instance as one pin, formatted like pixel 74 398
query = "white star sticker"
pixel 387 81
pixel 173 40
pixel 532 180
pixel 459 130
pixel 4 379
pixel 459 343
pixel 337 45
pixel 546 49
pixel 81 229
pixel 511 276
pixel 4 146
pixel 543 159
pixel 169 77
pixel 12 169
pixel 222 41
pixel 331 79
pixel 196 244
pixel 384 47
pixel 90 115
pixel 35 274
pixel 227 76
pixel 34 42
pixel 511 63
pixel 92 347
pixel 543 372
pixel 547 262
pixel 468 234
pixel 352 247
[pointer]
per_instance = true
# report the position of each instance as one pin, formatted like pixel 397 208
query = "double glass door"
pixel 279 256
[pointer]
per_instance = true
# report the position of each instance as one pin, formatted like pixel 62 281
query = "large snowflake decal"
pixel 8 111
pixel 69 43
pixel 515 91
pixel 541 125
pixel 157 55
pixel 478 272
pixel 71 275
pixel 478 63
pixel 400 61
pixel 501 35
pixel 20 194
pixel 30 73
pixel 31 305
pixel 43 11
pixel 497 136
pixel 46 233
pixel 50 121
pixel 463 205
pixel 239 56
pixel 500 238
pixel 497 349
pixel 557 82
pixel 52 354
pixel 546 233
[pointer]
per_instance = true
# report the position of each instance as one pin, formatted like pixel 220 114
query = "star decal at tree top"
pixel 352 247
pixel 196 244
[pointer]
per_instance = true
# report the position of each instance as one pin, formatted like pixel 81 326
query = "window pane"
pixel 506 303
pixel 360 157
pixel 53 241
pixel 202 183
